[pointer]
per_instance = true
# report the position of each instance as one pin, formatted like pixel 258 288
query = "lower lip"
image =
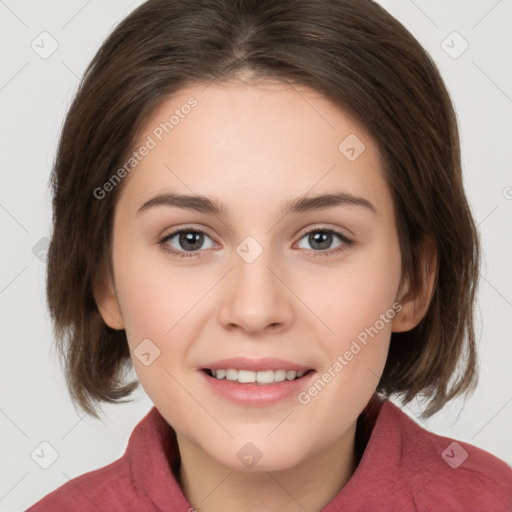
pixel 257 395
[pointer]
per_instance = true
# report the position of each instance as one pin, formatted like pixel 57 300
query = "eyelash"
pixel 191 254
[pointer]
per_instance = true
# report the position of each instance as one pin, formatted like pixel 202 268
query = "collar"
pixel 153 456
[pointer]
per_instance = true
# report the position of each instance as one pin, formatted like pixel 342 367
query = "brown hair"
pixel 355 54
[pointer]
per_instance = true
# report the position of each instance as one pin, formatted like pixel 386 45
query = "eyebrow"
pixel 301 204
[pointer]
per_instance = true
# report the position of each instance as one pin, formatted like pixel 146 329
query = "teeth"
pixel 263 377
pixel 279 375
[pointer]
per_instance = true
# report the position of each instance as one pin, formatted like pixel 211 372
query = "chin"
pixel 259 455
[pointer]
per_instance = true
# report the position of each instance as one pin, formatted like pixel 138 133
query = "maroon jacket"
pixel 403 467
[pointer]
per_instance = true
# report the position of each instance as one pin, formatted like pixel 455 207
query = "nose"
pixel 256 298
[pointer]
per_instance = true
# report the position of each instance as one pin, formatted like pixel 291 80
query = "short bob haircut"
pixel 361 59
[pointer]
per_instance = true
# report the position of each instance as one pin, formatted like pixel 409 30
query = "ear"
pixel 108 305
pixel 415 303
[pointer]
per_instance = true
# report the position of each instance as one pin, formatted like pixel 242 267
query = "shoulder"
pixel 122 485
pixel 439 469
pixel 107 488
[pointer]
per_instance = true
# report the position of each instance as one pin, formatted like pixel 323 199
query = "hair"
pixel 361 59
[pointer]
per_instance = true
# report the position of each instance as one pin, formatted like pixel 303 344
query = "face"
pixel 264 280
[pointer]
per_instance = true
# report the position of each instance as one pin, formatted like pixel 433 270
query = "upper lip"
pixel 244 363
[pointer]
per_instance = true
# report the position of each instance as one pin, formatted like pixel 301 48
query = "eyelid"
pixel 346 242
pixel 187 227
pixel 315 227
pixel 162 242
pixel 176 231
pixel 325 227
pixel 337 231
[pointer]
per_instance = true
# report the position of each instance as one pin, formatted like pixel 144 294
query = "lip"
pixel 257 395
pixel 245 363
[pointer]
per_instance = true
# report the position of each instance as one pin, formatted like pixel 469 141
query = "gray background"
pixel 34 95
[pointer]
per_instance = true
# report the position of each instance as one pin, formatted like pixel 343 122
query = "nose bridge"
pixel 256 297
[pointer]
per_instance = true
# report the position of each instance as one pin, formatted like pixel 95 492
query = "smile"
pixel 259 377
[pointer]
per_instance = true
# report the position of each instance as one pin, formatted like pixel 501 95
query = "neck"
pixel 211 487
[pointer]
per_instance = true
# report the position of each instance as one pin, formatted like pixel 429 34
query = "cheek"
pixel 155 291
pixel 351 297
pixel 159 298
pixel 357 302
pixel 156 298
pixel 355 355
pixel 160 304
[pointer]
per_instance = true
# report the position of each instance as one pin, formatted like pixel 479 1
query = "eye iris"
pixel 323 238
pixel 191 240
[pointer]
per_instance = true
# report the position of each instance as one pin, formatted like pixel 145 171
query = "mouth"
pixel 262 377
pixel 261 382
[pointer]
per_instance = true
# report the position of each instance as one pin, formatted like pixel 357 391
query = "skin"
pixel 252 147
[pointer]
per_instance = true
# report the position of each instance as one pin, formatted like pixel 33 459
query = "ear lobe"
pixel 415 303
pixel 108 305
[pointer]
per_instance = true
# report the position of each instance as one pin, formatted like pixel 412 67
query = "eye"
pixel 189 242
pixel 185 242
pixel 321 239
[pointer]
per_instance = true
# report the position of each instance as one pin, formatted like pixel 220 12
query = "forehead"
pixel 243 140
